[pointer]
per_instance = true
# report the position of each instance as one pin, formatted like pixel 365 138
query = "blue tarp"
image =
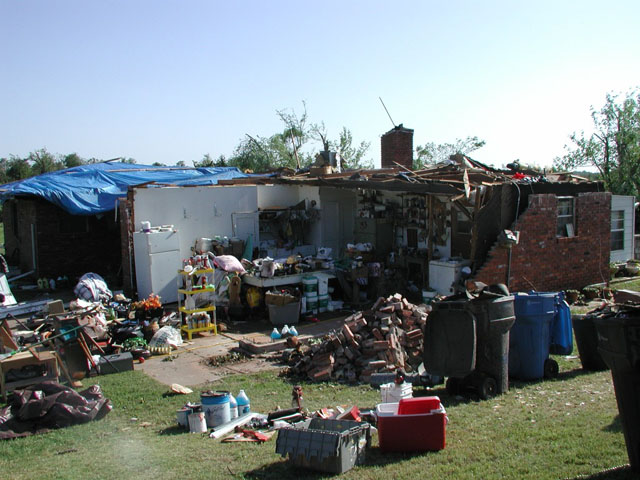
pixel 94 188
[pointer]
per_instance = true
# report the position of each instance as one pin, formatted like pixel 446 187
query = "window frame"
pixel 617 230
pixel 567 232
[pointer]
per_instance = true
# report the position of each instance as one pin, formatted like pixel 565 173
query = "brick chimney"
pixel 397 146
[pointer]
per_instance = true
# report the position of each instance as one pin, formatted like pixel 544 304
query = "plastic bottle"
pixel 293 331
pixel 233 406
pixel 275 335
pixel 285 330
pixel 244 406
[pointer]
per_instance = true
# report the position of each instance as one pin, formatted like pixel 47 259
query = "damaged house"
pixel 422 227
pixel 528 230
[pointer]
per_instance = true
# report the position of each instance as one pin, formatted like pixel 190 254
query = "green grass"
pixel 563 428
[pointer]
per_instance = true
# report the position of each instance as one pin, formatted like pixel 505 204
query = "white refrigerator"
pixel 157 259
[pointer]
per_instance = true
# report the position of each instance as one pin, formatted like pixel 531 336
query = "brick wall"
pixel 397 146
pixel 18 216
pixel 70 245
pixel 544 262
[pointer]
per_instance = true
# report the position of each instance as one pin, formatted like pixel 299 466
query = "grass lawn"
pixel 563 428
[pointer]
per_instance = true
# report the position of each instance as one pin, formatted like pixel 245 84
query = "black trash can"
pixel 468 342
pixel 587 342
pixel 619 345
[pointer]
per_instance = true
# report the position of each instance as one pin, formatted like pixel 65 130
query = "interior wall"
pixel 196 212
pixel 338 209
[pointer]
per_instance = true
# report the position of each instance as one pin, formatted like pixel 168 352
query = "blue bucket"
pixel 215 406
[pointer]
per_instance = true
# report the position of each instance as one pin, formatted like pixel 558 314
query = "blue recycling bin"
pixel 561 328
pixel 530 338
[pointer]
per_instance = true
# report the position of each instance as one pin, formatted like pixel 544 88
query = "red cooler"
pixel 411 425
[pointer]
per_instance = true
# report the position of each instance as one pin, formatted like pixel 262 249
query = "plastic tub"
pixel 333 446
pixel 619 345
pixel 421 430
pixel 587 343
pixel 288 314
pixel 392 392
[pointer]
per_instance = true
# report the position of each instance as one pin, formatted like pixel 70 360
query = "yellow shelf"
pixel 191 331
pixel 194 292
pixel 210 308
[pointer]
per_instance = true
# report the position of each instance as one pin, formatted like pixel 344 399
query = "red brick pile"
pixel 386 337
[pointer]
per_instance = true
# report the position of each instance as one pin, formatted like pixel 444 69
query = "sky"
pixel 167 81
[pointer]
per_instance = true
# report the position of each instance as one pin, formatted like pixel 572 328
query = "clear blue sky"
pixel 172 80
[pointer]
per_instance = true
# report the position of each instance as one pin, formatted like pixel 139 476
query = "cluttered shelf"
pixel 278 280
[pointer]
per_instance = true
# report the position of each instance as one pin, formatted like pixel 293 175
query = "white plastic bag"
pixel 166 336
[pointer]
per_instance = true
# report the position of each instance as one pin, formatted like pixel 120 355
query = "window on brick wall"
pixel 566 217
pixel 617 230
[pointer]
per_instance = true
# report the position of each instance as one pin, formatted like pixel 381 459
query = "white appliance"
pixel 157 257
pixel 443 275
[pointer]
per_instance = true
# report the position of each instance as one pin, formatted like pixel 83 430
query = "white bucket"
pixel 182 417
pixel 323 285
pixel 392 393
pixel 310 286
pixel 323 303
pixel 197 422
pixel 303 308
pixel 216 408
pixel 146 226
pixel 312 303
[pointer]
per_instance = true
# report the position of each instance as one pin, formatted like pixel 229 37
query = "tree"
pixel 352 156
pixel 206 161
pixel 253 154
pixel 614 147
pixel 17 168
pixel 72 160
pixel 296 133
pixel 43 162
pixel 432 153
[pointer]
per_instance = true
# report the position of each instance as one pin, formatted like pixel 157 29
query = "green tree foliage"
pixel 42 162
pixel 208 162
pixel 352 156
pixel 72 160
pixel 432 153
pixel 614 147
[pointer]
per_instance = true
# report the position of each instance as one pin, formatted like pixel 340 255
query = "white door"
pixel 164 272
pixel 245 224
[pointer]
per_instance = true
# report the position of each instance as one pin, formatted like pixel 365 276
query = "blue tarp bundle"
pixel 94 188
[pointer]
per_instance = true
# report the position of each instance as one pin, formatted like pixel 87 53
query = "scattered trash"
pixel 177 388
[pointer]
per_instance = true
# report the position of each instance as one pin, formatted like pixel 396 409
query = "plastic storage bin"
pixel 587 343
pixel 333 446
pixel 619 345
pixel 468 341
pixel 412 425
pixel 561 331
pixel 285 314
pixel 530 340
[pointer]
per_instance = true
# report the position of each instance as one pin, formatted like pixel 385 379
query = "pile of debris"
pixel 385 338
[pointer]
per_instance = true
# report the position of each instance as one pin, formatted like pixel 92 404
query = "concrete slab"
pixel 187 365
